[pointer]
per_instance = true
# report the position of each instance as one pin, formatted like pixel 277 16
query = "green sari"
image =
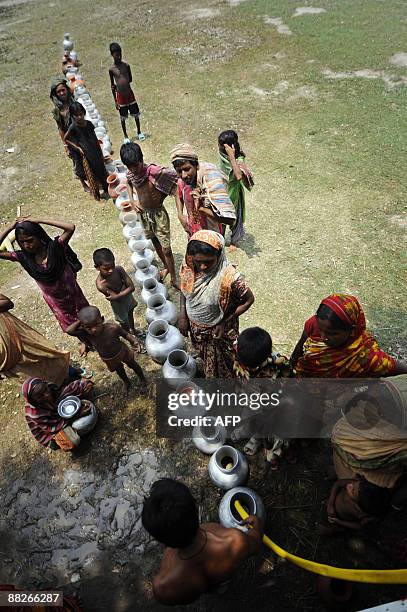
pixel 237 193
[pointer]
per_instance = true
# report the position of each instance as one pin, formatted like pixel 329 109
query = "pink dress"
pixel 64 297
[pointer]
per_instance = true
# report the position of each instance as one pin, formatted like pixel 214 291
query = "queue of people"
pixel 369 460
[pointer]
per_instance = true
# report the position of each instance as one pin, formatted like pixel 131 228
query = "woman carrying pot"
pixel 41 413
pixel 213 296
pixel 51 263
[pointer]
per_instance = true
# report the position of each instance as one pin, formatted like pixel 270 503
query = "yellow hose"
pixel 372 576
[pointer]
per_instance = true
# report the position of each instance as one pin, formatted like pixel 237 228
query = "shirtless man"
pixel 105 337
pixel 120 79
pixel 197 557
pixel 152 185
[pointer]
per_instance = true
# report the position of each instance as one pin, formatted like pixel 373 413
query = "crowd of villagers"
pixel 369 445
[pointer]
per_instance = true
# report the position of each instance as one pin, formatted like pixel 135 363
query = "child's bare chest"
pixel 149 196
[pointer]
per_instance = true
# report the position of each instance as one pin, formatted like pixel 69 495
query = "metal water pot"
pixel 158 307
pixel 140 251
pixel 209 438
pixel 162 338
pixel 179 366
pixel 151 286
pixel 228 468
pixel 145 270
pixel 251 502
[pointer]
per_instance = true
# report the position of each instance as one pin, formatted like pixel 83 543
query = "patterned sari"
pixel 208 297
pixel 43 422
pixel 360 357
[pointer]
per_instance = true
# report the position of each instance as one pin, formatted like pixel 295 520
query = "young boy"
pixel 254 358
pixel 198 556
pixel 353 503
pixel 120 79
pixel 117 286
pixel 105 338
pixel 152 185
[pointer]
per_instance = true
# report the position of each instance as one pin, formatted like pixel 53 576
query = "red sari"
pixel 360 357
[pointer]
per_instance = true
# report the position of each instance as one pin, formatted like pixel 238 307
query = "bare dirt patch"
pixel 390 80
pixel 398 59
pixel 202 13
pixel 308 10
pixel 278 24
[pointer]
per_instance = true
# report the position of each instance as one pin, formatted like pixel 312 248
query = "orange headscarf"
pixel 361 356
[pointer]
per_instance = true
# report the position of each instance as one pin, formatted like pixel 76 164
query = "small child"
pixel 255 359
pixel 354 503
pixel 117 286
pixel 120 79
pixel 239 177
pixel 105 338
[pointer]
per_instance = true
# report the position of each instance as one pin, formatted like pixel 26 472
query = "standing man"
pixel 152 184
pixel 202 193
pixel 120 79
pixel 197 557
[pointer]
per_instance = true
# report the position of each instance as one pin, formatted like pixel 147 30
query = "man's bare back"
pixel 181 580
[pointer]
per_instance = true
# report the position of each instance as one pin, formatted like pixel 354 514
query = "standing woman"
pixel 25 351
pixel 86 151
pixel 213 296
pixel 239 176
pixel 51 263
pixel 61 96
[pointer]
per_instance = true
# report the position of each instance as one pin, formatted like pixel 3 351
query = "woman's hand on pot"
pixel 219 331
pixel 183 325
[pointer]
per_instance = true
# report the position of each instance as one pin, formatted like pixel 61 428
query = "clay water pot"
pixel 251 502
pixel 334 593
pixel 123 205
pixel 158 307
pixel 100 131
pixel 73 55
pixel 140 250
pixel 162 338
pixel 178 367
pixel 113 180
pixel 209 438
pixel 151 286
pixel 101 124
pixel 228 468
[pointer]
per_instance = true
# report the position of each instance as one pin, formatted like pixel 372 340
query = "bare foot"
pixel 163 273
pixel 232 247
pixel 83 349
pixel 86 189
pixel 127 386
pixel 143 390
